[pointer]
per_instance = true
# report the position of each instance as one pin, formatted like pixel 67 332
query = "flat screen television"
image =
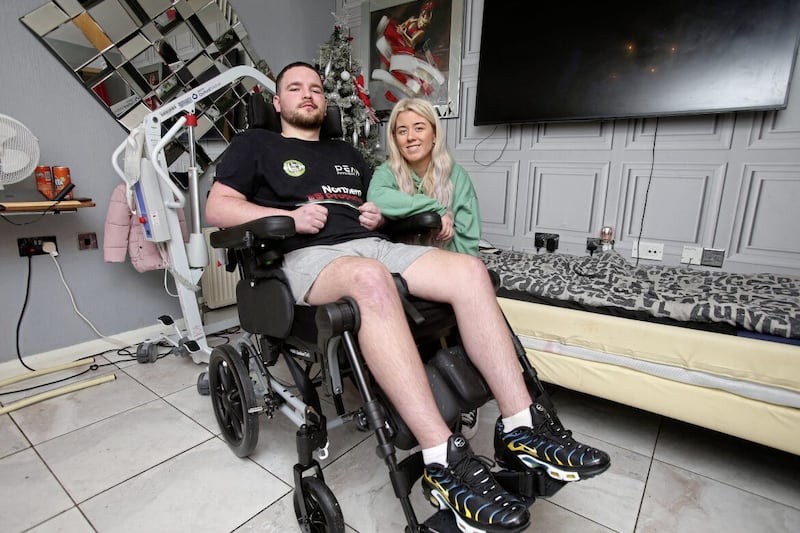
pixel 569 61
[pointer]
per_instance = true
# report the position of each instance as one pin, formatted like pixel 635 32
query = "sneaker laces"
pixel 479 478
pixel 558 430
pixel 555 428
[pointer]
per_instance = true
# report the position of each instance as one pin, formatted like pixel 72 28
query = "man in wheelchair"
pixel 338 251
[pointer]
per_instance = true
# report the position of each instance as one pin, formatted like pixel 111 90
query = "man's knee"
pixel 371 277
pixel 473 269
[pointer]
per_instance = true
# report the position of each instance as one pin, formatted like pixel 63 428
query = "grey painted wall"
pixel 74 131
pixel 728 181
pixel 283 31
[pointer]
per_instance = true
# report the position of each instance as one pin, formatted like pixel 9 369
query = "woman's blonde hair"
pixel 436 181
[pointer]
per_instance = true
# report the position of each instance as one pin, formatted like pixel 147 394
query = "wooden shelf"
pixel 44 206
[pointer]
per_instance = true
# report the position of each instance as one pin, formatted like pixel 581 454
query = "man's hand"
pixel 370 217
pixel 309 218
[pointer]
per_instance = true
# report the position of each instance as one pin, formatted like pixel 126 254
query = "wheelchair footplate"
pixel 530 485
pixel 442 522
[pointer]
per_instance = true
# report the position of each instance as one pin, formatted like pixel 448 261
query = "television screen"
pixel 565 61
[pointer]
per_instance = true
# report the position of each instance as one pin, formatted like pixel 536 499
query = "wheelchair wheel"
pixel 324 513
pixel 233 399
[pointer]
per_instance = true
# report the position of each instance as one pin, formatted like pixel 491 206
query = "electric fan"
pixel 19 151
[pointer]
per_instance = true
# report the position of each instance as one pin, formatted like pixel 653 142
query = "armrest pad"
pixel 413 225
pixel 245 235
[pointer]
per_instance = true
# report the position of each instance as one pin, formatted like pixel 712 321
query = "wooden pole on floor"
pixel 48 370
pixel 55 392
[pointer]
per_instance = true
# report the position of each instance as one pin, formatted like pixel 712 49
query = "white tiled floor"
pixel 143 453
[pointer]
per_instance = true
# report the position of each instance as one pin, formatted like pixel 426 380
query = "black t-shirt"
pixel 274 171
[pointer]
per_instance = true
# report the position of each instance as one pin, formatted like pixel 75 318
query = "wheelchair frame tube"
pixel 386 449
pixel 294 408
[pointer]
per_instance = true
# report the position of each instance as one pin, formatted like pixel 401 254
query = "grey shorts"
pixel 302 266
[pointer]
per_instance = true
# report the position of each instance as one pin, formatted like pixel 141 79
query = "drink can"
pixel 44 182
pixel 60 180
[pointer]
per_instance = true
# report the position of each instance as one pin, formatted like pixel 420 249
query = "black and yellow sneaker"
pixel 469 490
pixel 547 445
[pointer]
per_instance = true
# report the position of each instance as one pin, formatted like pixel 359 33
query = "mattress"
pixel 663 339
pixel 606 282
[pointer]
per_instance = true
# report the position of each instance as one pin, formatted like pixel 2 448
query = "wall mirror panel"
pixel 135 55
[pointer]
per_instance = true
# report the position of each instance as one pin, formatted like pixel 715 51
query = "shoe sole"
pixel 438 500
pixel 553 471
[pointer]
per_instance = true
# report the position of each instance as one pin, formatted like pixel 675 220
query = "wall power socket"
pixel 30 246
pixel 692 255
pixel 648 250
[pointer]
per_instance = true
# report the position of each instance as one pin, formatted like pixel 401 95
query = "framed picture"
pixel 413 49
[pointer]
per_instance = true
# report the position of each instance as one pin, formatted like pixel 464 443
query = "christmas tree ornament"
pixel 344 86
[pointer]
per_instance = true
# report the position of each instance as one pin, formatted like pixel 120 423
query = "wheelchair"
pixel 320 349
pixel 319 346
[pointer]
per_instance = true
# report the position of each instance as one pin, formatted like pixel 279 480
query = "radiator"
pixel 218 285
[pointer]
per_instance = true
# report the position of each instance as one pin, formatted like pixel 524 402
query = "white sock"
pixel 437 454
pixel 523 418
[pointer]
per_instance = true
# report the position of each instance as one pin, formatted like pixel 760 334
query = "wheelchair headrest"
pixel 262 114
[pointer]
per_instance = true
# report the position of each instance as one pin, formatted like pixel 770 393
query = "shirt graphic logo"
pixel 346 170
pixel 294 168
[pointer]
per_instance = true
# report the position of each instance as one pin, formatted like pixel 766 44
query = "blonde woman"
pixel 420 175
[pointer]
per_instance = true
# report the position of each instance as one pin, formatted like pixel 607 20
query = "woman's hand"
pixel 446 233
pixel 370 217
pixel 309 218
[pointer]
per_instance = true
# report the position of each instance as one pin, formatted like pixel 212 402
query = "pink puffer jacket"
pixel 124 233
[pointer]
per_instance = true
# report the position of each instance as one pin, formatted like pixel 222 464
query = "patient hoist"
pixel 157 198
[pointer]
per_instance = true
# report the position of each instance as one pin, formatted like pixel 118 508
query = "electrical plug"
pixel 50 248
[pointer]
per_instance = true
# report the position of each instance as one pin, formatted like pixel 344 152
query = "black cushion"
pixel 265 306
pixel 261 114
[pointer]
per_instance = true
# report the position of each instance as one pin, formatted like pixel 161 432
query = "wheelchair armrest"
pixel 412 226
pixel 247 234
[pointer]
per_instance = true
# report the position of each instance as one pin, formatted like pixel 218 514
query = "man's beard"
pixel 302 120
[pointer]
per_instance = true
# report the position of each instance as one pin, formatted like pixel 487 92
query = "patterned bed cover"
pixel 767 304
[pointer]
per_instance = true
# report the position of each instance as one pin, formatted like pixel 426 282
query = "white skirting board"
pixel 214 322
pixel 84 349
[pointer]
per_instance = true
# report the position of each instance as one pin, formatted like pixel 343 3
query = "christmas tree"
pixel 344 86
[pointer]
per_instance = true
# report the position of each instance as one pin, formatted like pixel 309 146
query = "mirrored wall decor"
pixel 135 55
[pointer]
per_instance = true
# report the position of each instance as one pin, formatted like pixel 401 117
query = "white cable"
pixel 165 258
pixel 502 150
pixel 166 287
pixel 175 274
pixel 75 306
